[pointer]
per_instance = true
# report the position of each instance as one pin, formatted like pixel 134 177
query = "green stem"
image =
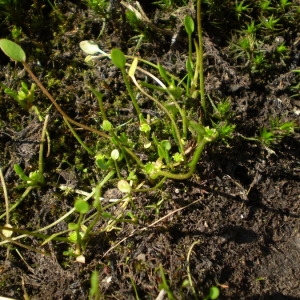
pixel 154 188
pixel 99 97
pixel 131 94
pixel 201 71
pixel 5 196
pixel 192 164
pixel 29 233
pixel 27 191
pixel 134 156
pixel 79 140
pixel 96 218
pixel 41 152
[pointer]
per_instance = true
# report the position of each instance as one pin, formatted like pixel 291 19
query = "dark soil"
pixel 242 205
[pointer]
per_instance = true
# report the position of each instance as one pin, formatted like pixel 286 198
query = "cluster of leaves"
pixel 257 30
pixel 98 6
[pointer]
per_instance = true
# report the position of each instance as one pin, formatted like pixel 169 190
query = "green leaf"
pixel 189 25
pixel 106 125
pixel 163 73
pixel 166 145
pixel 21 173
pixel 162 153
pixel 118 58
pixel 36 177
pixel 12 50
pixel 72 237
pixel 133 67
pixel 94 290
pixel 145 127
pixel 102 161
pixel 106 215
pixel 190 68
pixel 72 226
pixel 124 186
pixel 196 127
pixel 214 292
pixel 82 206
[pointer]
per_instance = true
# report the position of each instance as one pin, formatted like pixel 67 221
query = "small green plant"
pixel 164 140
pixel 94 290
pixel 259 44
pixel 141 153
pixel 241 8
pixel 164 286
pixel 273 134
pixel 98 6
pixel 16 32
pixel 276 131
pixel 213 293
pixel 24 96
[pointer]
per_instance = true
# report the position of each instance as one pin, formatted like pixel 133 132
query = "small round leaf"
pixel 12 50
pixel 106 125
pixel 115 154
pixel 214 293
pixel 82 206
pixel 124 186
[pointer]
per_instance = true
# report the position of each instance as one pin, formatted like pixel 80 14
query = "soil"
pixel 241 208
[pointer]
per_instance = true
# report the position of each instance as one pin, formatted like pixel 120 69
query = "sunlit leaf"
pixel 12 50
pixel 118 58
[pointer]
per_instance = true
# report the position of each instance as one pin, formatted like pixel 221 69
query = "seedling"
pixel 24 96
pixel 241 8
pixel 164 286
pixel 94 290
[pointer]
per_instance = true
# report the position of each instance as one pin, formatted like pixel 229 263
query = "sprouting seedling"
pixel 24 96
pixel 16 53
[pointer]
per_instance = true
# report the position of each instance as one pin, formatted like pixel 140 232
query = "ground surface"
pixel 245 201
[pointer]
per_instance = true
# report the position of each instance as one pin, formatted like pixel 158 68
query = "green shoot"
pixel 164 284
pixel 94 289
pixel 241 8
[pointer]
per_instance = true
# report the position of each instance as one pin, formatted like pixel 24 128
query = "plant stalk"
pixel 44 90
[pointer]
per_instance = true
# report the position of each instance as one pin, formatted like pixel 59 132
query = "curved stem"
pixel 192 164
pixel 131 94
pixel 44 90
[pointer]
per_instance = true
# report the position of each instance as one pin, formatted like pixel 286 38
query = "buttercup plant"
pixel 170 95
pixel 173 142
